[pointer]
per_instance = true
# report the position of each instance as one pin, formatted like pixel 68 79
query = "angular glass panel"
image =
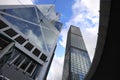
pixel 33 32
pixel 58 25
pixel 46 23
pixel 24 13
pixel 50 38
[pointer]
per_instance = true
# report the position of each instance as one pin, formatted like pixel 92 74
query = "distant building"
pixel 27 42
pixel 77 61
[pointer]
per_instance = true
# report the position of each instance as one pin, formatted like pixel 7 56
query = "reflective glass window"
pixel 47 23
pixel 50 38
pixel 25 13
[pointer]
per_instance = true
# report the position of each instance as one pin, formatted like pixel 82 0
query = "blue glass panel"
pixel 33 32
pixel 58 25
pixel 25 13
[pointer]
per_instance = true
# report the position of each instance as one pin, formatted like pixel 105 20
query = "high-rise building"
pixel 77 61
pixel 28 37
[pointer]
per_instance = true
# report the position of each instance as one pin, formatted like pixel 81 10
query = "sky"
pixel 81 13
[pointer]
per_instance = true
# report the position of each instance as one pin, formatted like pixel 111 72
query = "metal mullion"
pixel 36 13
pixel 15 58
pixel 21 63
pixel 28 66
pixel 44 38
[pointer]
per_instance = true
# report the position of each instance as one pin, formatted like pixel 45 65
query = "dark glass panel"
pixel 29 46
pixel 20 39
pixel 2 24
pixel 36 52
pixel 25 64
pixel 43 57
pixel 3 43
pixel 31 67
pixel 11 32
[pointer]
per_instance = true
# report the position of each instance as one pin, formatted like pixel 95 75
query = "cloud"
pixel 55 72
pixel 15 2
pixel 85 16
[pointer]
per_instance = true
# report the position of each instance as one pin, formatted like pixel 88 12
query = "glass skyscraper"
pixel 28 37
pixel 77 61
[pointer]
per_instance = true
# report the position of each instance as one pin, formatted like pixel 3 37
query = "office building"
pixel 28 40
pixel 77 61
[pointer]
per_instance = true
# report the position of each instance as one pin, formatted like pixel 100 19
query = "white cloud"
pixel 55 72
pixel 15 2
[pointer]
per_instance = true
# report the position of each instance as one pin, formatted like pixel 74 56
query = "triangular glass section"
pixel 44 21
pixel 27 13
pixel 50 38
pixel 33 32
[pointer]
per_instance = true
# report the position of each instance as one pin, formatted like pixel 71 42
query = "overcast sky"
pixel 81 13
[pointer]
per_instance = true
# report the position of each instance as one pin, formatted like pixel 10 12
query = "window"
pixel 18 60
pixel 20 39
pixel 25 64
pixel 36 52
pixel 2 24
pixel 31 67
pixel 28 46
pixel 43 57
pixel 11 32
pixel 3 43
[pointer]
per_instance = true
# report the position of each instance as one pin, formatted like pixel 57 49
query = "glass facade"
pixel 79 61
pixel 31 22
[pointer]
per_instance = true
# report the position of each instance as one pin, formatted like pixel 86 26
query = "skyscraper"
pixel 28 37
pixel 77 61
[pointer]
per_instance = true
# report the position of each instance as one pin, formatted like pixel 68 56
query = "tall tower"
pixel 27 41
pixel 77 61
